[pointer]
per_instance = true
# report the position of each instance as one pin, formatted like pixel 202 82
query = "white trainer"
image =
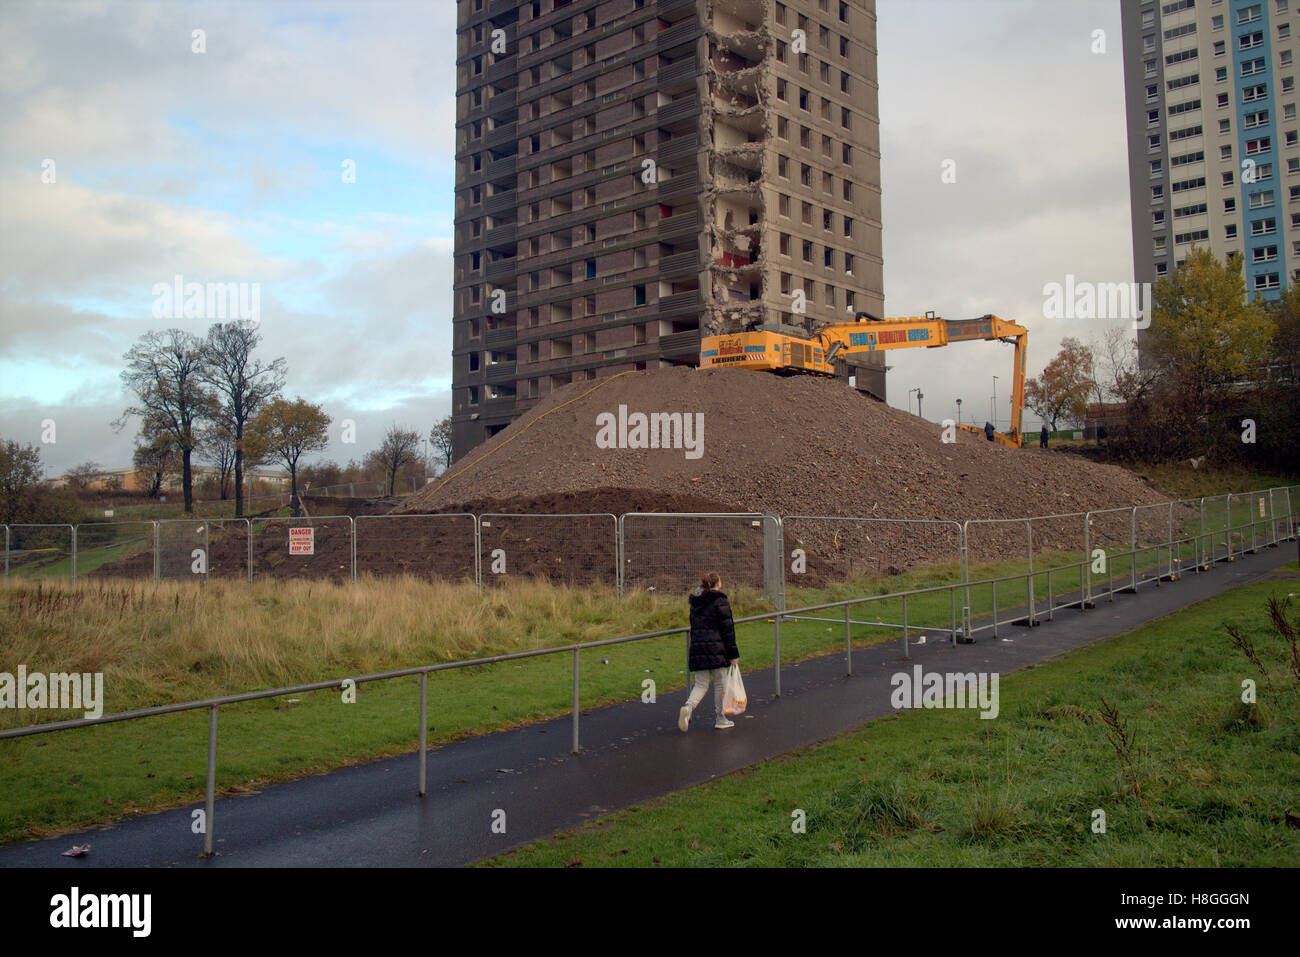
pixel 683 717
pixel 723 723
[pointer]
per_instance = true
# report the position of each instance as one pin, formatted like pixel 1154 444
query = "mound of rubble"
pixel 797 445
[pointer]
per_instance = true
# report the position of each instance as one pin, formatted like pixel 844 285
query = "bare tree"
pixel 217 446
pixel 1119 374
pixel 165 371
pixel 243 385
pixel 80 476
pixel 440 439
pixel 400 446
pixel 155 457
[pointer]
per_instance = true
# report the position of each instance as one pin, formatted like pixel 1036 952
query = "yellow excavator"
pixel 779 350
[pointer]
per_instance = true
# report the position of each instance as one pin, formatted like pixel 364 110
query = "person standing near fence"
pixel 712 648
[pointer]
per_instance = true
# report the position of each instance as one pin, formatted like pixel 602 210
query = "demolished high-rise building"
pixel 632 174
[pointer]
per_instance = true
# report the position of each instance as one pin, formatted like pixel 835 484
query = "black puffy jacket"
pixel 713 634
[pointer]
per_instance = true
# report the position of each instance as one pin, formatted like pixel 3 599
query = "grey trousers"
pixel 702 678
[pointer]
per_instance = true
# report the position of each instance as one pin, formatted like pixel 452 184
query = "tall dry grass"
pixel 177 641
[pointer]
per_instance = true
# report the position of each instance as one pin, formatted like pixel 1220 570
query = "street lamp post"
pixel 959 411
pixel 993 404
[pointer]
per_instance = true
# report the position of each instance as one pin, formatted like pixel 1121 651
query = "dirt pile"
pixel 797 445
pixel 790 446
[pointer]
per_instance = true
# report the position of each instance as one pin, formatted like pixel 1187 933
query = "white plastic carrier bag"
pixel 733 693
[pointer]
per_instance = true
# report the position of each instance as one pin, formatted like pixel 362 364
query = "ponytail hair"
pixel 710 580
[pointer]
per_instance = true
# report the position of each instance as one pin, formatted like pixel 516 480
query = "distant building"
pixel 134 480
pixel 1213 139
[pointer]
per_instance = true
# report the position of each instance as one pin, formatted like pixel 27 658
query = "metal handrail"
pixel 213 704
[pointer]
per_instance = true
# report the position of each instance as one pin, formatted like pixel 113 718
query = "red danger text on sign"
pixel 302 541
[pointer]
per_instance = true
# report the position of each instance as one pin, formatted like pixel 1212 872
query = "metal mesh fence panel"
pixel 318 548
pixel 578 549
pixel 996 547
pixel 228 548
pixel 430 547
pixel 1189 543
pixel 40 551
pixel 1257 518
pixel 1110 537
pixel 1058 545
pixel 1285 502
pixel 670 551
pixel 1058 535
pixel 996 541
pixel 1153 528
pixel 1277 510
pixel 116 549
pixel 821 549
pixel 200 549
pixel 1217 510
pixel 183 547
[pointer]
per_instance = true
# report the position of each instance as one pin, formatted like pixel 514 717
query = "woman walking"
pixel 712 648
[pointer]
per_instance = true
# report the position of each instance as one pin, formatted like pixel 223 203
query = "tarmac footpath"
pixel 371 816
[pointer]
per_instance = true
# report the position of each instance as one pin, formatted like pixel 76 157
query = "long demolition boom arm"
pixel 781 352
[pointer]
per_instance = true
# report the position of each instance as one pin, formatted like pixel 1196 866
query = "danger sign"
pixel 302 541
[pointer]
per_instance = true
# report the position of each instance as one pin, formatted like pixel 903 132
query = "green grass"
pixel 224 638
pixel 154 653
pixel 943 788
pixel 1181 481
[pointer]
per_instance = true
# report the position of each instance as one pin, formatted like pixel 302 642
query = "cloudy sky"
pixel 127 158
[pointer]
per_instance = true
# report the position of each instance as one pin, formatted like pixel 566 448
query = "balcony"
pixel 501 203
pixel 500 236
pixel 680 264
pixel 501 136
pixel 679 75
pixel 498 169
pixel 502 69
pixel 681 185
pixel 681 304
pixel 671 10
pixel 680 344
pixel 688 31
pixel 501 371
pixel 678 147
pixel 686 222
pixel 687 109
pixel 500 269
pixel 496 337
